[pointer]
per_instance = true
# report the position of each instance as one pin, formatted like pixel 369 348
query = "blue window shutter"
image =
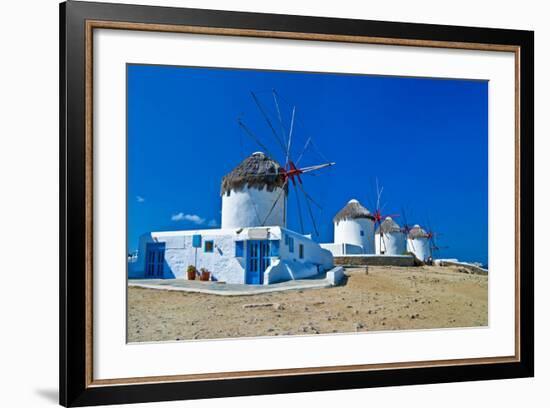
pixel 274 250
pixel 239 249
pixel 290 244
pixel 197 241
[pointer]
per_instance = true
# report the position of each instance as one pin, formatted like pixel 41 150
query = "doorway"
pixel 257 261
pixel 154 260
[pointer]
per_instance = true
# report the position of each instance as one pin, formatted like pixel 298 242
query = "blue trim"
pixel 274 247
pixel 239 249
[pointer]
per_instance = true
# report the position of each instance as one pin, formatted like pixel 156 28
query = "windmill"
pixel 406 229
pixel 431 236
pixel 283 135
pixel 378 216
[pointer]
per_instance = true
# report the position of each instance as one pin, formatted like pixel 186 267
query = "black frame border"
pixel 72 302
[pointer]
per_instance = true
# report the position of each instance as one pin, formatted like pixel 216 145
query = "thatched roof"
pixel 387 226
pixel 256 171
pixel 353 210
pixel 417 232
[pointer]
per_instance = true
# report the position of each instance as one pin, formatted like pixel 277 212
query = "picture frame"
pixel 78 386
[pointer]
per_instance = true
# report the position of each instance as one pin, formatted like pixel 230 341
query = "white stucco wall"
pixel 288 270
pixel 420 247
pixel 180 253
pixel 343 249
pixel 250 208
pixel 349 232
pixel 222 262
pixel 392 243
pixel 316 259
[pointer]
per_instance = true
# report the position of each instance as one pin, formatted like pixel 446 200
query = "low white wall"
pixel 335 275
pixel 335 249
pixel 343 249
pixel 280 271
pixel 392 243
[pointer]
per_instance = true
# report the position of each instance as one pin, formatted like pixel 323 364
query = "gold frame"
pixel 98 24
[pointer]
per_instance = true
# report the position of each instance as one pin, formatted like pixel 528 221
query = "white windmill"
pixel 256 192
pixel 418 243
pixel 388 237
pixel 354 225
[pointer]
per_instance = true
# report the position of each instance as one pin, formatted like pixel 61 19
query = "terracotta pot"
pixel 191 275
pixel 205 276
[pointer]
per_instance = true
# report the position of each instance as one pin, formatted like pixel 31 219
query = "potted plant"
pixel 205 274
pixel 191 272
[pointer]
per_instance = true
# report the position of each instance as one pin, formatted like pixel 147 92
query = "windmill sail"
pixel 290 172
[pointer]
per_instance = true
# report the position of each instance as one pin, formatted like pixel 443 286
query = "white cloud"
pixel 212 223
pixel 140 199
pixel 195 219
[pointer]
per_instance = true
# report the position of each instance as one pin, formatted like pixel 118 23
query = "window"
pixel 362 233
pixel 301 251
pixel 208 246
pixel 290 244
pixel 286 239
pixel 239 249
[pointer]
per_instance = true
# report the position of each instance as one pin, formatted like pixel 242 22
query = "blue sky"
pixel 425 140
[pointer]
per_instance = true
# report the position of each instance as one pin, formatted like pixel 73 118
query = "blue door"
pixel 154 260
pixel 257 261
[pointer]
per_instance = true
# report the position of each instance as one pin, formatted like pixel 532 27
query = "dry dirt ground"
pixel 387 298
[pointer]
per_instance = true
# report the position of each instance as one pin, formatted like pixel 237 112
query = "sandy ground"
pixel 387 298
